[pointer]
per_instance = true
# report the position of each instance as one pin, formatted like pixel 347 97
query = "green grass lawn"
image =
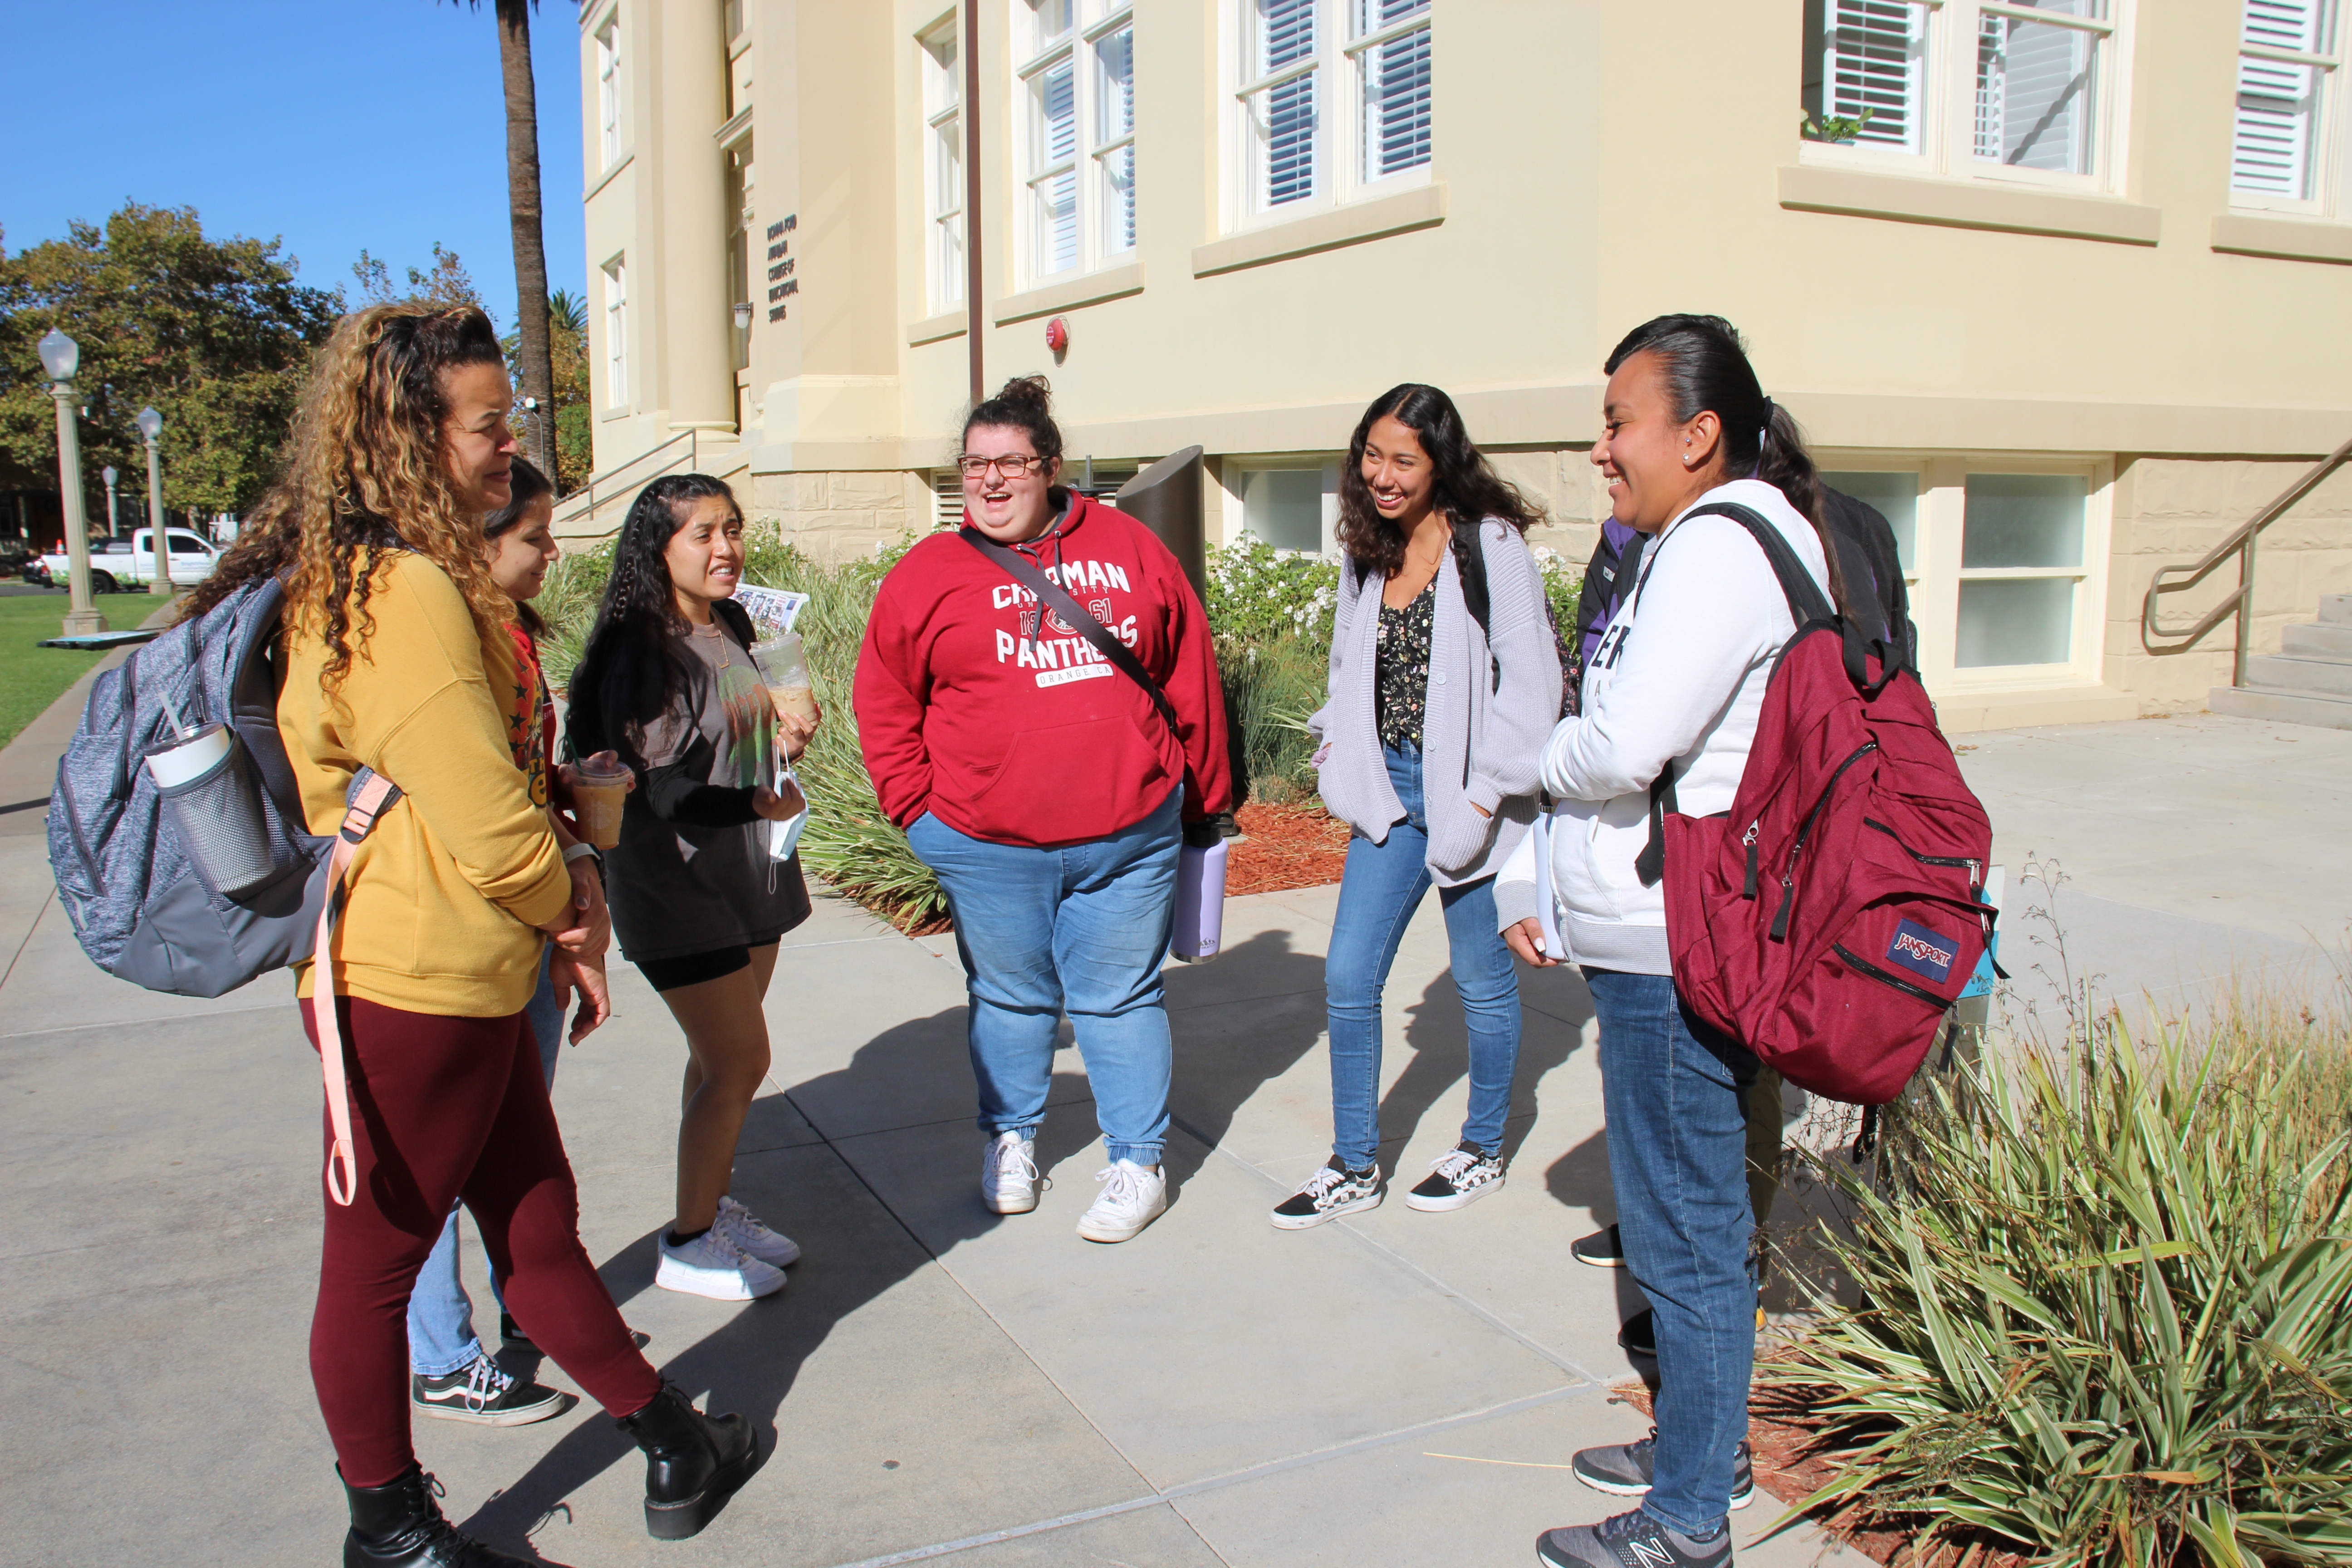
pixel 32 678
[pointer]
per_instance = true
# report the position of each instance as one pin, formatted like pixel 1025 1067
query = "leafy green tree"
pixel 567 338
pixel 215 333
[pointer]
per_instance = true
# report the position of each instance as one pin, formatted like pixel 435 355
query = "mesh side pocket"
pixel 219 818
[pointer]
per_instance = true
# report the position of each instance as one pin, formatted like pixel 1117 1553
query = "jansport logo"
pixel 1923 951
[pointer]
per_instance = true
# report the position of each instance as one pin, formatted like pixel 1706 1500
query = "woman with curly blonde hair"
pixel 396 658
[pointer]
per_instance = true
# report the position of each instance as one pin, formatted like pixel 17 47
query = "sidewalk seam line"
pixel 46 900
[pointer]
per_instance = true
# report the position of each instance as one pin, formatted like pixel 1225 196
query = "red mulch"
pixel 1283 846
pixel 1781 1431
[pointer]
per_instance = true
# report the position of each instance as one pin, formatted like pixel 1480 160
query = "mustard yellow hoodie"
pixel 446 894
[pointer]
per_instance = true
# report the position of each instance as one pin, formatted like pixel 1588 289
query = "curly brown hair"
pixel 363 476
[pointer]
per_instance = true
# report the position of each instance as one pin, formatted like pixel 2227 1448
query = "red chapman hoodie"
pixel 979 706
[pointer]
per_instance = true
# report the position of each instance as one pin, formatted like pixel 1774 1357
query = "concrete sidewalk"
pixel 1398 1388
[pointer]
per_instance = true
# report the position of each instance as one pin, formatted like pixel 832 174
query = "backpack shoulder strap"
pixel 1470 565
pixel 735 619
pixel 370 796
pixel 1807 603
pixel 1054 595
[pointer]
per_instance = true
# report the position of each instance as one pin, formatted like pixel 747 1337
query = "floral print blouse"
pixel 1401 680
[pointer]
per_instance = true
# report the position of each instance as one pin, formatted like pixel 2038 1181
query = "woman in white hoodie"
pixel 1673 687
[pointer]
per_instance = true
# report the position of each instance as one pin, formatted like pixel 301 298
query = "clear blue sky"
pixel 337 125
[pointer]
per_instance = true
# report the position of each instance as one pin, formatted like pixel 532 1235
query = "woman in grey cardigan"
pixel 1440 699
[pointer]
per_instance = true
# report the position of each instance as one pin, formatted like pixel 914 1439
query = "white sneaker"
pixel 753 1237
pixel 715 1265
pixel 1132 1197
pixel 1008 1174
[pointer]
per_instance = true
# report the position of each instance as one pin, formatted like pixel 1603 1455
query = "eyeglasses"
pixel 1015 466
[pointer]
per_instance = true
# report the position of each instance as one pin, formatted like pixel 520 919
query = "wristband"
pixel 580 851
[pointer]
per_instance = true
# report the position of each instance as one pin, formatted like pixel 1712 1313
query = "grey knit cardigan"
pixel 1481 739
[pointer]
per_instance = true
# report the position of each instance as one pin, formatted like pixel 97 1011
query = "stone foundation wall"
pixel 837 515
pixel 2170 511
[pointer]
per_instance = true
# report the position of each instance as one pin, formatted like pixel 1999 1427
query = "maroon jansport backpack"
pixel 1833 915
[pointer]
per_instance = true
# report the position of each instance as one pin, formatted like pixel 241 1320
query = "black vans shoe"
pixel 1328 1194
pixel 1602 1249
pixel 486 1394
pixel 1457 1178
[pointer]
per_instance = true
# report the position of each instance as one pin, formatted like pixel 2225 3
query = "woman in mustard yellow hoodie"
pixel 395 653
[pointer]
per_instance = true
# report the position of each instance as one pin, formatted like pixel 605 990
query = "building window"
pixel 2021 569
pixel 1078 87
pixel 1964 86
pixel 617 333
pixel 943 163
pixel 740 227
pixel 2286 80
pixel 1334 96
pixel 608 91
pixel 1896 497
pixel 1292 507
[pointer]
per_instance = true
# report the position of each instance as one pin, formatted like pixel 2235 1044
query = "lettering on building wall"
pixel 782 265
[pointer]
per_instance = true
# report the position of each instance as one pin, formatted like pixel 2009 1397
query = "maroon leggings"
pixel 445 1109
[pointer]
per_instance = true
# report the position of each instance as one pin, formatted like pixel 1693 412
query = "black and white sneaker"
pixel 1623 1469
pixel 1631 1539
pixel 1639 1334
pixel 486 1394
pixel 1328 1194
pixel 1602 1249
pixel 1456 1179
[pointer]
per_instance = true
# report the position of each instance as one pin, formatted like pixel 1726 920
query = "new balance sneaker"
pixel 1008 1174
pixel 484 1394
pixel 778 1251
pixel 1132 1197
pixel 1602 1249
pixel 1623 1469
pixel 1457 1178
pixel 1631 1539
pixel 1328 1194
pixel 714 1264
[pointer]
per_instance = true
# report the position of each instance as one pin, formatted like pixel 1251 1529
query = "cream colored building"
pixel 2073 303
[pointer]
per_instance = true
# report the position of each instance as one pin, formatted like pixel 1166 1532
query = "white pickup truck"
pixel 117 564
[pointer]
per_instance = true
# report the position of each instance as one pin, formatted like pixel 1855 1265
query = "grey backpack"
pixel 198 885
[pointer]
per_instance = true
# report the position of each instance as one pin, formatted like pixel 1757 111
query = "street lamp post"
pixel 151 430
pixel 61 356
pixel 113 517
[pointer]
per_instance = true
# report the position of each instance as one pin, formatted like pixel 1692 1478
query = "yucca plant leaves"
pixel 2106 1301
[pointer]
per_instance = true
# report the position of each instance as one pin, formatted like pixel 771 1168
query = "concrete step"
pixel 2320 677
pixel 2335 609
pixel 2317 641
pixel 2282 706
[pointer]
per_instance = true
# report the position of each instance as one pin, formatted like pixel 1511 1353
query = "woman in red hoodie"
pixel 1048 791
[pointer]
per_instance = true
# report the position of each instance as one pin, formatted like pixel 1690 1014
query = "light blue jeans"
pixel 1381 887
pixel 1082 930
pixel 440 1314
pixel 1675 1090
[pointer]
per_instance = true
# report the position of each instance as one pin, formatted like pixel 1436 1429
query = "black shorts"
pixel 694 968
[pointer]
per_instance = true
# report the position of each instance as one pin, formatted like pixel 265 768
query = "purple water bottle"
pixel 1200 901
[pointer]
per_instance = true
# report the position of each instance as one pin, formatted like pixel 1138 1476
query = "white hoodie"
pixel 1678 677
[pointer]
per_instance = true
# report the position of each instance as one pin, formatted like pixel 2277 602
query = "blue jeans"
pixel 1381 887
pixel 440 1314
pixel 1675 1090
pixel 1082 928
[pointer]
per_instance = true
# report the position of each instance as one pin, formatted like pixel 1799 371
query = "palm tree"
pixel 535 360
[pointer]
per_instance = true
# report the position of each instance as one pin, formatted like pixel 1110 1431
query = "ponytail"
pixel 1705 367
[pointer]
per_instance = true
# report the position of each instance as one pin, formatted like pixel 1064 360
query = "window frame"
pixel 1946 111
pixel 943 169
pixel 1935 575
pixel 2330 156
pixel 615 275
pixel 1341 165
pixel 608 91
pixel 1237 473
pixel 1079 45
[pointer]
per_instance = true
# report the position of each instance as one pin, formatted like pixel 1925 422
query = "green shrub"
pixel 2106 1301
pixel 1271 687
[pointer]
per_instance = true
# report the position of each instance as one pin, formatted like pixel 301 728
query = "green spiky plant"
pixel 2106 1301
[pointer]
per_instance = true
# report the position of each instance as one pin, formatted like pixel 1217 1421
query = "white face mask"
pixel 783 838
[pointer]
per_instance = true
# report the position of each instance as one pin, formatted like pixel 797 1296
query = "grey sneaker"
pixel 1457 1178
pixel 1631 1539
pixel 1623 1469
pixel 1328 1194
pixel 486 1394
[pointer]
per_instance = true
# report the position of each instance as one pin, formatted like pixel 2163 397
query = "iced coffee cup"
pixel 783 668
pixel 599 786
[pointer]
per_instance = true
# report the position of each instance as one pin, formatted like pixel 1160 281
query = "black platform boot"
pixel 694 1462
pixel 400 1526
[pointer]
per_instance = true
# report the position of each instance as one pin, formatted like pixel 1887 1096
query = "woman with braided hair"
pixel 397 650
pixel 699 903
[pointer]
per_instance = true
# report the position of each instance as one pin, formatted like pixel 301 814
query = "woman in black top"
pixel 699 903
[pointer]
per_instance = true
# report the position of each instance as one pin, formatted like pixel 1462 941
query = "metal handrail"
pixel 2241 604
pixel 582 502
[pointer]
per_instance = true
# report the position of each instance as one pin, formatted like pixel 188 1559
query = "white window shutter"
pixel 2278 103
pixel 1875 60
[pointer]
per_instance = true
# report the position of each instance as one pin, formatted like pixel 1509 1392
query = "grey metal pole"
pixel 81 617
pixel 113 511
pixel 162 583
